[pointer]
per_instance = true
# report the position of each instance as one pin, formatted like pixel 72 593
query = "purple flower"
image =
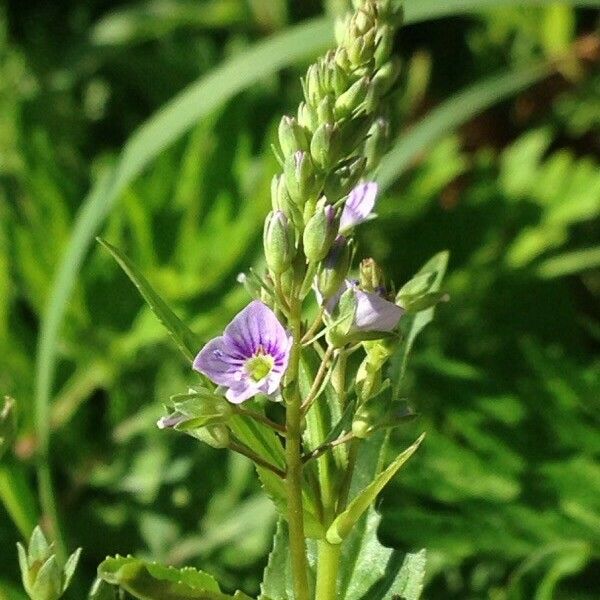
pixel 359 205
pixel 250 357
pixel 373 312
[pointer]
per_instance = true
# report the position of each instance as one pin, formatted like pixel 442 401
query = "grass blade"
pixel 183 337
pixel 452 114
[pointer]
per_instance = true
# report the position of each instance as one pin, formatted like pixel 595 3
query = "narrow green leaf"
pixel 182 336
pixel 452 113
pixel 70 566
pixel 17 497
pixel 570 263
pixel 344 522
pixel 152 581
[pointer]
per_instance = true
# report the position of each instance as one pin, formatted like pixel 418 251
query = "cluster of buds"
pixel 44 578
pixel 338 133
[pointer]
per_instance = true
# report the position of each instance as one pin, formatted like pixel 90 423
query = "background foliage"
pixel 505 492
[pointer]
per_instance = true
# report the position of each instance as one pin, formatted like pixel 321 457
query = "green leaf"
pixel 152 581
pixel 370 571
pixel 277 577
pixel 570 263
pixel 182 336
pixel 452 113
pixel 344 522
pixel 17 497
pixel 69 569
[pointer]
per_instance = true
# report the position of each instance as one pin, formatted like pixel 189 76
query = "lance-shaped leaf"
pixel 152 581
pixel 182 336
pixel 344 522
pixel 266 444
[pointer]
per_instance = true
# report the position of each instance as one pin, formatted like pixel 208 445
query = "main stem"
pixel 328 559
pixel 294 461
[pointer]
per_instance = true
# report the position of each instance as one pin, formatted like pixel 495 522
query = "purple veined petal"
pixel 220 361
pixel 257 327
pixel 241 392
pixel 374 313
pixel 359 205
pixel 250 357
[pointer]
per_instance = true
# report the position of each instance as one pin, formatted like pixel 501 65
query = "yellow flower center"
pixel 259 366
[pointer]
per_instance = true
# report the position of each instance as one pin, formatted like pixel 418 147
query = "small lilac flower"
pixel 359 205
pixel 250 357
pixel 373 311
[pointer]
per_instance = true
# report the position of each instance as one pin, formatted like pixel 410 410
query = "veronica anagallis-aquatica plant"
pixel 298 381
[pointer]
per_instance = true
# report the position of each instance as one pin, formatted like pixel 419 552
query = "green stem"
pixel 328 565
pixel 294 461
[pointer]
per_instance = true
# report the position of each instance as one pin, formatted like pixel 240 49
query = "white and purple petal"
pixel 359 205
pixel 253 334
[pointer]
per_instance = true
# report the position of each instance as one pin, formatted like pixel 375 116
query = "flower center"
pixel 259 366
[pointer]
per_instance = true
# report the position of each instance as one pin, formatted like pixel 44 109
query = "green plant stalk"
pixel 328 563
pixel 293 457
pixel 328 557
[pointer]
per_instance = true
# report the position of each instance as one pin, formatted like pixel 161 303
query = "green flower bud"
pixel 280 200
pixel 325 145
pixel 300 177
pixel 390 11
pixel 307 117
pixel 8 425
pixel 361 48
pixel 377 142
pixel 326 110
pixel 342 60
pixel 352 99
pixel 341 181
pixel 292 136
pixel 384 42
pixel 320 233
pixel 278 240
pixel 371 276
pixel 385 77
pixel 334 268
pixel 313 91
pixel 43 577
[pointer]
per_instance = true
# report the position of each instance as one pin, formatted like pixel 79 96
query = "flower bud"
pixel 278 240
pixel 326 110
pixel 334 268
pixel 325 145
pixel 280 200
pixel 371 276
pixel 384 41
pixel 361 48
pixel 390 12
pixel 300 177
pixel 343 180
pixel 8 425
pixel 352 99
pixel 43 577
pixel 377 142
pixel 312 86
pixel 307 117
pixel 292 136
pixel 320 233
pixel 385 77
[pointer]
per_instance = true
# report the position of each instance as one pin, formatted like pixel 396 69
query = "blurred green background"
pixel 505 493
